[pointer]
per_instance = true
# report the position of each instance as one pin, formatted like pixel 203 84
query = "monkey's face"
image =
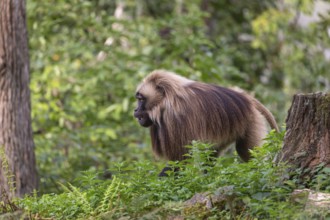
pixel 140 113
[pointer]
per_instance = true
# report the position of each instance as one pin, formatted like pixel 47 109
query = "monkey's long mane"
pixel 194 111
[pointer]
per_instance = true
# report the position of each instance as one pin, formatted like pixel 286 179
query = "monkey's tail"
pixel 267 114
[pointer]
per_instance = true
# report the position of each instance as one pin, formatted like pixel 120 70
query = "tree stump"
pixel 307 138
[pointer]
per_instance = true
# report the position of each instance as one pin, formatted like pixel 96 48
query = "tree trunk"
pixel 18 174
pixel 307 139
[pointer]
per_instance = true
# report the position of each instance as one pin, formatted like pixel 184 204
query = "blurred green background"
pixel 87 57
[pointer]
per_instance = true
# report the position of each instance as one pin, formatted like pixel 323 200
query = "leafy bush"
pixel 135 191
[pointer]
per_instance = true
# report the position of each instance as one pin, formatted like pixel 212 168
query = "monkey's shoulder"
pixel 206 89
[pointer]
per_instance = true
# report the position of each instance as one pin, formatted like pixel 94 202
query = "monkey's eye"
pixel 140 97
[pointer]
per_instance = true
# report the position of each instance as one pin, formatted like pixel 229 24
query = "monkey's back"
pixel 223 113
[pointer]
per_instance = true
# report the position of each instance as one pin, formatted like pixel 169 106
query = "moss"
pixel 199 211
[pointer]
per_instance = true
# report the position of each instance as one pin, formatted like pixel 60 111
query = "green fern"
pixel 80 197
pixel 110 193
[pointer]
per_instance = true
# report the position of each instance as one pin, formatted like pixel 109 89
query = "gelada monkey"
pixel 179 110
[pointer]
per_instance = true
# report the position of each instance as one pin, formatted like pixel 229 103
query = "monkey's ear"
pixel 160 89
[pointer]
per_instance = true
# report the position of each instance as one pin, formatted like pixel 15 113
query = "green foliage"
pixel 136 191
pixel 6 203
pixel 321 180
pixel 316 179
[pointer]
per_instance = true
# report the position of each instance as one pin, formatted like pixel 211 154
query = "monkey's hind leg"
pixel 253 137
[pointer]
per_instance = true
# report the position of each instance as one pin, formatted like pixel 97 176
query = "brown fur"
pixel 183 110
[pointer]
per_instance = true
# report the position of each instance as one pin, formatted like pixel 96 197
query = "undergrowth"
pixel 135 191
pixel 6 203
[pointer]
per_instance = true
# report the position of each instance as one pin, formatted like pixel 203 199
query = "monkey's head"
pixel 141 112
pixel 155 94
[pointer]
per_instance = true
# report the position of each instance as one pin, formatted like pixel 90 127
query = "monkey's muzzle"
pixel 143 118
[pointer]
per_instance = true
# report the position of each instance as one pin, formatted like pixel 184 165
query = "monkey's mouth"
pixel 143 119
pixel 140 118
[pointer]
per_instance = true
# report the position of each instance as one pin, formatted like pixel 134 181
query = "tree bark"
pixel 18 174
pixel 307 139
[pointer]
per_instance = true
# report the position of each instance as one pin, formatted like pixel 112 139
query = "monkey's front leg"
pixel 167 168
pixel 164 170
